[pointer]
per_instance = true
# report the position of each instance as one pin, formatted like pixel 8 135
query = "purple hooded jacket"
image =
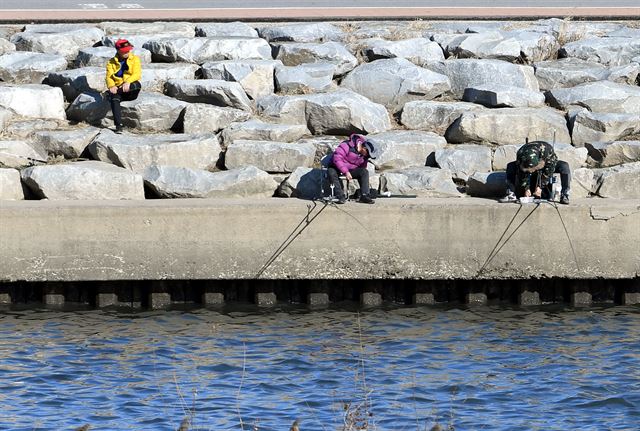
pixel 346 156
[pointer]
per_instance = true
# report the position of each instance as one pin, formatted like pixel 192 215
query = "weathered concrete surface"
pixel 231 239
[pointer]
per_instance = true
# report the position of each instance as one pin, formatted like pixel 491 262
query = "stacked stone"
pixel 238 110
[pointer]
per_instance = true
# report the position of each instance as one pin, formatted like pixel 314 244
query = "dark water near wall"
pixel 493 368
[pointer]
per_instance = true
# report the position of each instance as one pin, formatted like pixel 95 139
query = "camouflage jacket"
pixel 543 151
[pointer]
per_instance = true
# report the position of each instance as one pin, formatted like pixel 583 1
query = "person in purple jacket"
pixel 350 159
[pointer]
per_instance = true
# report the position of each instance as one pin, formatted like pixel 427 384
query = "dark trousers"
pixel 115 99
pixel 360 174
pixel 514 175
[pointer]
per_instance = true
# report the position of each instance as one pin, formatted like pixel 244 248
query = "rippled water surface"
pixel 408 368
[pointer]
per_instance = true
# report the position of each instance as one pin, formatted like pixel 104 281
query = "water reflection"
pixel 481 368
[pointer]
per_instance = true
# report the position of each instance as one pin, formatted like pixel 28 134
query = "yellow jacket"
pixel 134 73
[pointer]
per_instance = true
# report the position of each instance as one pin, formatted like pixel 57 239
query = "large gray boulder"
pixel 205 118
pixel 24 129
pixel 73 82
pixel 10 185
pixel 393 82
pixel 571 30
pixel 98 56
pixel 137 152
pixel 598 127
pixel 619 182
pixel 464 160
pixel 601 96
pixel 5 116
pixel 568 72
pixel 202 49
pixel 64 43
pixel 6 47
pixel 305 78
pixel 399 149
pixel 225 29
pixel 509 126
pixel 18 154
pixel 465 73
pixel 261 131
pixel 487 184
pixel 417 50
pixel 486 45
pixel 156 75
pixel 295 54
pixel 255 76
pixel 213 91
pixel 269 156
pixel 89 107
pixel 610 51
pixel 177 182
pixel 301 32
pixel 33 101
pixel 67 143
pixel 534 46
pixel 500 96
pixel 606 154
pixel 169 28
pixel 583 182
pixel 29 67
pixel 303 183
pixel 628 74
pixel 434 116
pixel 422 181
pixel 83 180
pixel 340 112
pixel 152 112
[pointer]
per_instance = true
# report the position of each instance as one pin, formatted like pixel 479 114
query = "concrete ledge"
pixel 436 239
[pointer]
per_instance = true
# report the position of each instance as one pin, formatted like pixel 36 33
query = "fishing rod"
pixel 566 231
pixel 31 159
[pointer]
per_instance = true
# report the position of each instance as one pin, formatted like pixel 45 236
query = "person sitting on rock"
pixel 350 159
pixel 123 79
pixel 535 164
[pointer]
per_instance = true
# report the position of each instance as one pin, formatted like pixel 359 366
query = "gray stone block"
pixel 5 298
pixel 213 298
pixel 106 299
pixel 628 298
pixel 528 298
pixel 159 300
pixel 424 299
pixel 581 299
pixel 370 299
pixel 479 298
pixel 266 299
pixel 318 299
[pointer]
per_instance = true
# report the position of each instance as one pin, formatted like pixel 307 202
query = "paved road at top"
pixel 273 9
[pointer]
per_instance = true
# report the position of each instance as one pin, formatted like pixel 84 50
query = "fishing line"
pixel 566 231
pixel 500 239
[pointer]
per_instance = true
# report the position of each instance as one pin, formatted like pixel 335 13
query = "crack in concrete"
pixel 606 214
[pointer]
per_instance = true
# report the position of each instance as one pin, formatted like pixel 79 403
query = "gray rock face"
pixel 200 50
pixel 255 76
pixel 261 131
pixel 534 46
pixel 393 82
pixel 33 101
pixel 295 54
pixel 486 45
pixel 583 182
pixel 18 154
pixel 627 74
pixel 26 128
pixel 598 127
pixel 64 43
pixel 76 81
pixel 152 112
pixel 155 75
pixel 176 29
pixel 467 73
pixel 464 160
pixel 10 185
pixel 306 78
pixel 67 143
pixel 568 72
pixel 225 29
pixel 29 67
pixel 89 107
pixel 83 180
pixel 503 155
pixel 620 182
pixel 138 152
pixel 301 32
pixel 5 116
pixel 303 183
pixel 487 184
pixel 417 50
pixel 607 154
pixel 211 91
pixel 176 182
pixel 500 96
pixel 424 182
pixel 98 56
pixel 602 96
pixel 610 51
pixel 204 118
pixel 509 126
pixel 341 112
pixel 6 47
pixel 269 156
pixel 434 116
pixel 404 149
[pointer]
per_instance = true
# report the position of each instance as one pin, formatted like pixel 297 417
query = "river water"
pixel 400 368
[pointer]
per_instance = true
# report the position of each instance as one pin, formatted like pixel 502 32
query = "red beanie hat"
pixel 123 45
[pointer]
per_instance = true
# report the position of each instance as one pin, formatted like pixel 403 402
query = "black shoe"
pixel 341 201
pixel 364 199
pixel 564 199
pixel 119 129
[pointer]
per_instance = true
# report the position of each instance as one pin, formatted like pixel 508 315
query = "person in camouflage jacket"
pixel 530 174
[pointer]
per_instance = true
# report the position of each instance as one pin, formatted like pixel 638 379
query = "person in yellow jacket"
pixel 123 79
